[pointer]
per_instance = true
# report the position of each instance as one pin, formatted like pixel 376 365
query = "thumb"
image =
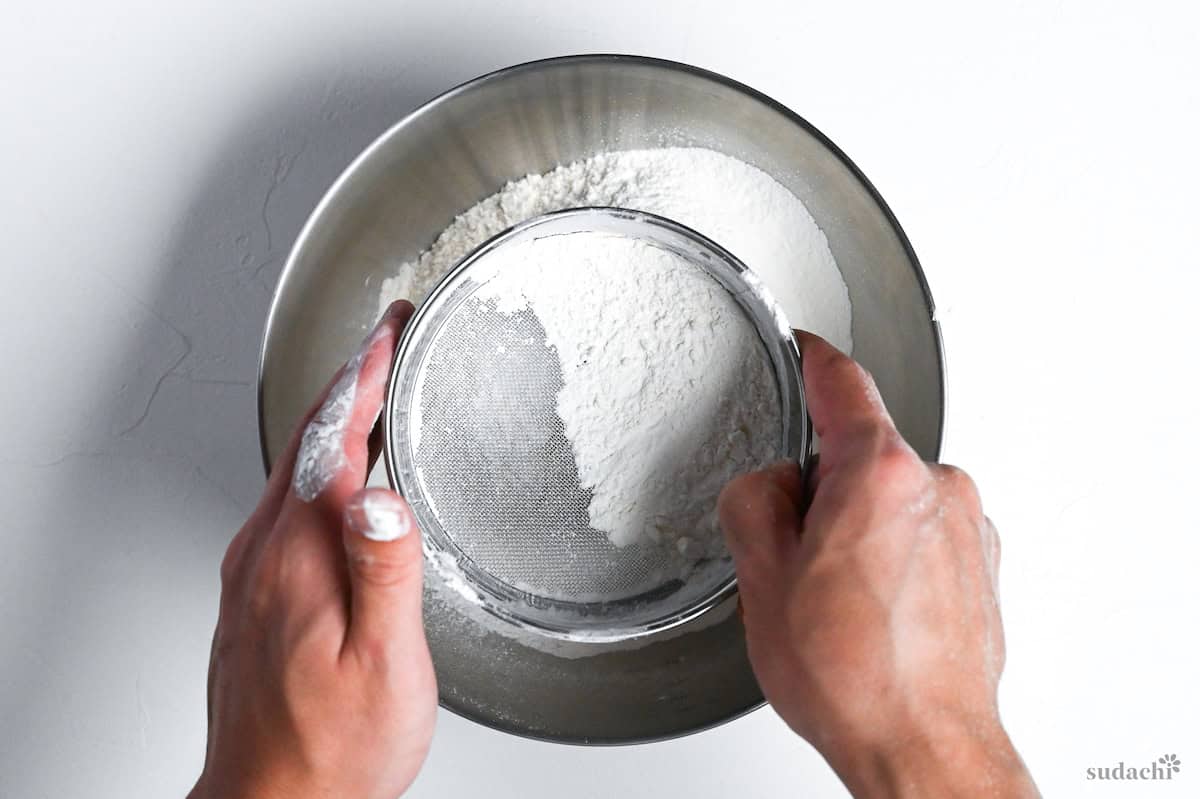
pixel 760 517
pixel 383 553
pixel 847 411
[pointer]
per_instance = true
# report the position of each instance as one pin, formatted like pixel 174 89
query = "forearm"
pixel 957 761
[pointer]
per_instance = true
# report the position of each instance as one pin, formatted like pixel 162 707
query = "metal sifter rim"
pixel 446 559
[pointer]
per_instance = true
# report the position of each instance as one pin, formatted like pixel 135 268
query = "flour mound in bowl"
pixel 744 210
pixel 667 391
pixel 736 205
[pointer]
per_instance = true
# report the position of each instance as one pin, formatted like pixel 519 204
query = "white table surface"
pixel 159 158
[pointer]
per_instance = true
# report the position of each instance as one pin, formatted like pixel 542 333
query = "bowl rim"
pixel 395 129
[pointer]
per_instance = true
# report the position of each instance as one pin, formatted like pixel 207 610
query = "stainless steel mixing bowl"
pixel 405 188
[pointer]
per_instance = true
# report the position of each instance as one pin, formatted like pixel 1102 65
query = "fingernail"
pixel 379 516
pixel 397 308
pixel 803 338
pixel 374 335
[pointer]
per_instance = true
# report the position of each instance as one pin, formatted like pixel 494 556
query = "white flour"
pixel 739 207
pixel 322 453
pixel 383 516
pixel 736 205
pixel 667 391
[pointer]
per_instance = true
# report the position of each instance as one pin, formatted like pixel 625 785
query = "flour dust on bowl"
pixel 565 408
pixel 635 133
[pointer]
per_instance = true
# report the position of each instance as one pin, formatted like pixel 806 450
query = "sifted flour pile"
pixel 667 392
pixel 631 436
pixel 736 205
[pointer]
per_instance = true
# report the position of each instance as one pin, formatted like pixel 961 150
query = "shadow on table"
pixel 181 407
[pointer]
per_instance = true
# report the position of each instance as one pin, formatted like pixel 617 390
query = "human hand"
pixel 320 683
pixel 869 598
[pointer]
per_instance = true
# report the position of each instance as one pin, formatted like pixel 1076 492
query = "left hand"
pixel 320 683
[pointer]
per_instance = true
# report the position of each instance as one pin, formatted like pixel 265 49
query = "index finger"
pixel 317 450
pixel 331 459
pixel 280 478
pixel 843 401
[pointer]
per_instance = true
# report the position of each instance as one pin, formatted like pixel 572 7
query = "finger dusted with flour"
pixel 353 401
pixel 385 564
pixel 322 449
pixel 379 515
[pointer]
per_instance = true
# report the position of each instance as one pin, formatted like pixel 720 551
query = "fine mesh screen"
pixel 495 463
pixel 476 444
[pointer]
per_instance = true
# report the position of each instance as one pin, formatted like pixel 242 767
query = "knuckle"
pixel 229 567
pixel 383 569
pixel 845 366
pixel 231 563
pixel 738 501
pixel 867 378
pixel 224 644
pixel 895 463
pixel 260 604
pixel 961 486
pixel 263 582
pixel 756 572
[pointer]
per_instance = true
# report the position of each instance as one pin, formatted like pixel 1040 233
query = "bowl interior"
pixel 464 146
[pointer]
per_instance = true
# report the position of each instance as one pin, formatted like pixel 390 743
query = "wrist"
pixel 206 788
pixel 949 758
pixel 199 790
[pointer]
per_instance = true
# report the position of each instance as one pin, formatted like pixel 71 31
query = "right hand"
pixel 869 596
